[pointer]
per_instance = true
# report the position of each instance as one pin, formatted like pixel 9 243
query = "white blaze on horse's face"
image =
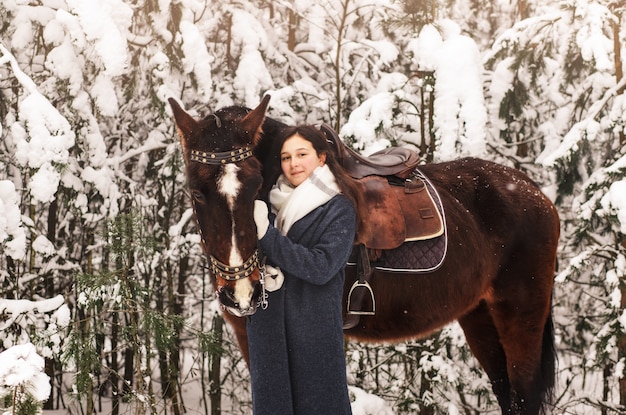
pixel 229 186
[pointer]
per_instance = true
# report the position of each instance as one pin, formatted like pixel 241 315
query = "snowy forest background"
pixel 102 286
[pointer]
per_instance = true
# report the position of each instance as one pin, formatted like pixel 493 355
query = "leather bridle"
pixel 218 268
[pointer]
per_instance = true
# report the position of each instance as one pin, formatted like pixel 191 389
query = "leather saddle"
pixel 398 205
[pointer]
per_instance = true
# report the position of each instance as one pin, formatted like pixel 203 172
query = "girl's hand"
pixel 275 280
pixel 261 218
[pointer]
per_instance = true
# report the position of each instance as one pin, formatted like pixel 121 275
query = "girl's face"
pixel 298 159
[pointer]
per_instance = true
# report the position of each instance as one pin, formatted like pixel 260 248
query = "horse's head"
pixel 224 178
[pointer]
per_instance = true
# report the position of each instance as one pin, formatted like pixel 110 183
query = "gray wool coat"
pixel 297 362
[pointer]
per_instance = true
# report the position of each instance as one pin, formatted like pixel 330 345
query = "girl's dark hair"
pixel 349 186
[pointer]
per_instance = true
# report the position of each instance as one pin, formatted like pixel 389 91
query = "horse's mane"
pixel 267 151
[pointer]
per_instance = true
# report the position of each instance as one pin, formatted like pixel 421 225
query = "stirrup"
pixel 366 286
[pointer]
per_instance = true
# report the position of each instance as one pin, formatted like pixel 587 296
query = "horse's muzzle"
pixel 242 298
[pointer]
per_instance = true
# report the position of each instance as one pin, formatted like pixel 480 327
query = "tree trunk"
pixel 621 353
pixel 229 40
pixel 426 389
pixel 215 362
pixel 426 114
pixel 422 115
pixel 83 329
pixel 113 376
pixel 129 364
pixel 49 293
pixel 338 95
pixel 291 36
pixel 431 124
pixel 619 70
pixel 619 74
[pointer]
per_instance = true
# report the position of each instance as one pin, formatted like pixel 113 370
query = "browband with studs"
pixel 219 158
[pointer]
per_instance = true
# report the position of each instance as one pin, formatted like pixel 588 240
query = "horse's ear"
pixel 253 121
pixel 185 124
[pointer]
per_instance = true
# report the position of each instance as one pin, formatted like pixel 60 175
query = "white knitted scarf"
pixel 293 203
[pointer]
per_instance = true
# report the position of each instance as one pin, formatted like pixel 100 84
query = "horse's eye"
pixel 197 196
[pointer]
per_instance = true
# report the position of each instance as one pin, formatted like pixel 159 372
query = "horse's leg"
pixel 483 339
pixel 520 309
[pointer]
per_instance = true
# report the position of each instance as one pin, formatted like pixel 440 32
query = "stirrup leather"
pixel 361 286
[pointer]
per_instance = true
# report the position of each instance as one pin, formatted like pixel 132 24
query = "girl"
pixel 297 361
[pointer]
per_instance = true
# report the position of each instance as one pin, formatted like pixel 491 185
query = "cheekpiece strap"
pixel 222 157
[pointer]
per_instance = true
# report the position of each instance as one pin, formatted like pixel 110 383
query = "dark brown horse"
pixel 496 280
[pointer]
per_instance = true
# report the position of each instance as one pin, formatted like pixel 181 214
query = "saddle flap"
pixel 384 225
pixel 422 218
pixel 397 214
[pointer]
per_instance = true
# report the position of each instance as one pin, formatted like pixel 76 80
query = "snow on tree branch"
pixel 43 137
pixel 22 377
pixel 12 234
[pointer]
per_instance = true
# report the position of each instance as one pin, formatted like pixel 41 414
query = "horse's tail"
pixel 548 364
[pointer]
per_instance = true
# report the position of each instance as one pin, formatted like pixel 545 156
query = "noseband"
pixel 218 158
pixel 234 273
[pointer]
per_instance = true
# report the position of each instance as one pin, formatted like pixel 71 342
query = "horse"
pixel 496 280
